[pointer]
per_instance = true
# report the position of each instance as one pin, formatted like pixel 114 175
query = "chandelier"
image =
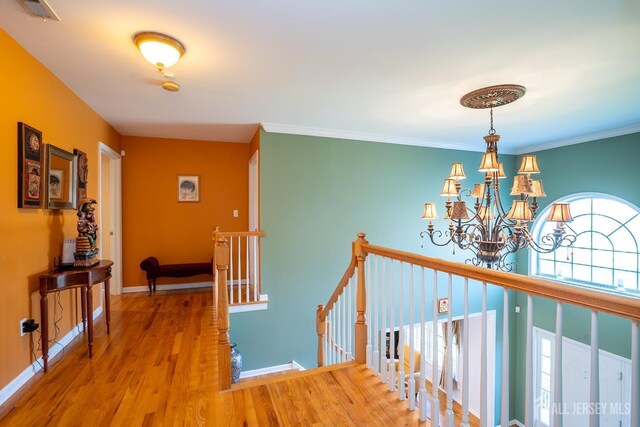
pixel 488 230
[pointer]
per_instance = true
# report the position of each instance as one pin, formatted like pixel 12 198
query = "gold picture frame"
pixel 188 188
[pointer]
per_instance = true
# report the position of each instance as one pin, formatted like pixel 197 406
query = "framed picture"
pixel 188 188
pixel 443 305
pixel 29 167
pixel 83 173
pixel 56 183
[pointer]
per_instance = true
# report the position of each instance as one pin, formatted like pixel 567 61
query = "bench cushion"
pixel 154 270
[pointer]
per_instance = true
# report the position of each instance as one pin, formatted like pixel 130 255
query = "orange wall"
pixel 31 238
pixel 155 224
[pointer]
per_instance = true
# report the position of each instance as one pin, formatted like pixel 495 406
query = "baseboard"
pixel 167 287
pixel 272 369
pixel 515 423
pixel 36 366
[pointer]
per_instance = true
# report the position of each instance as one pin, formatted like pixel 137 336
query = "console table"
pixel 83 278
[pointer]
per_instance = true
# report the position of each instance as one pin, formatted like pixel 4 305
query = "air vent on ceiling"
pixel 39 9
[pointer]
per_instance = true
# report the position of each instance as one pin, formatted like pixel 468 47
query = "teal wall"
pixel 605 166
pixel 316 194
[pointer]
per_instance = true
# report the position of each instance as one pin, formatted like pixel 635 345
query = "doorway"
pixel 110 212
pixel 614 376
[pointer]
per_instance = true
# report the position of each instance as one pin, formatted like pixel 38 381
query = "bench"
pixel 154 270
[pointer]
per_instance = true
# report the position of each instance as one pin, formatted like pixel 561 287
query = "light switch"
pixel 235 213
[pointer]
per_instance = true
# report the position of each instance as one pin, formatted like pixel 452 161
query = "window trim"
pixel 539 223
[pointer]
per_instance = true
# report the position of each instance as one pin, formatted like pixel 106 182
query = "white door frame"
pixel 254 188
pixel 116 200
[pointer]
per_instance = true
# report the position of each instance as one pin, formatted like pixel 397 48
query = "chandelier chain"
pixel 492 131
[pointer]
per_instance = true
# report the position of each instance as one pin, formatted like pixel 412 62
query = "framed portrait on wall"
pixel 188 188
pixel 56 182
pixel 83 173
pixel 30 180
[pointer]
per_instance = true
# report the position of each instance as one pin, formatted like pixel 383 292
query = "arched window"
pixel 606 251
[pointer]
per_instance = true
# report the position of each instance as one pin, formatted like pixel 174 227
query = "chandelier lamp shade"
pixel 487 229
pixel 161 50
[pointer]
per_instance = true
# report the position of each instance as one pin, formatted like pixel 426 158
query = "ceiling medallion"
pixel 493 96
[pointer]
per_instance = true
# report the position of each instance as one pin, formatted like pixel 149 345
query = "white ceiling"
pixel 390 71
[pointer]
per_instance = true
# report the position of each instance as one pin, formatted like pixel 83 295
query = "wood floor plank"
pixel 158 367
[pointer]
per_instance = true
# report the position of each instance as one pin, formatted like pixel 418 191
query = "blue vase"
pixel 236 364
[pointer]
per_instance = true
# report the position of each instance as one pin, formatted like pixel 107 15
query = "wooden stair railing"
pixel 396 282
pixel 224 262
pixel 222 304
pixel 243 277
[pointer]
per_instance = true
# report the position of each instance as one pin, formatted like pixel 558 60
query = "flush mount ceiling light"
pixel 490 231
pixel 159 49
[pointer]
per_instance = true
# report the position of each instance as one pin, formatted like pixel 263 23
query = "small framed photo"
pixel 188 188
pixel 443 305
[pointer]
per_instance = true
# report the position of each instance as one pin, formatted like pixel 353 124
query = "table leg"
pixel 83 302
pixel 107 304
pixel 89 293
pixel 44 329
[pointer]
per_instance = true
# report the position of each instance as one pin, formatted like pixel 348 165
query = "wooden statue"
pixel 86 254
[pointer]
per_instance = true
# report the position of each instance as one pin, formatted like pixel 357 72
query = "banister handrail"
pixel 618 305
pixel 348 274
pixel 259 233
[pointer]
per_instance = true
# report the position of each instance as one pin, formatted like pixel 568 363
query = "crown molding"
pixel 361 136
pixel 580 139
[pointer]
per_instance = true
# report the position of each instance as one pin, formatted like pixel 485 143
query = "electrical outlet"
pixel 28 326
pixel 235 213
pixel 22 322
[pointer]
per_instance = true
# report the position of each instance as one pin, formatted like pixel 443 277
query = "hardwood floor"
pixel 154 368
pixel 158 367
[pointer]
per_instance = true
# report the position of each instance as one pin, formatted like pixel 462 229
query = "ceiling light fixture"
pixel 159 49
pixel 488 230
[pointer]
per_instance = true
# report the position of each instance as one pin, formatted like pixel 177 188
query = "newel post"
pixel 361 301
pixel 320 328
pixel 224 347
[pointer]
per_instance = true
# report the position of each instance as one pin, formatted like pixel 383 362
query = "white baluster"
pixel 594 385
pixel 367 263
pixel 422 395
pixel 449 354
pixel 256 267
pixel 412 367
pixel 376 318
pixel 326 341
pixel 635 374
pixel 333 336
pixel 240 274
pixel 504 413
pixel 392 333
pixel 401 374
pixel 231 269
pixel 435 399
pixel 465 357
pixel 483 359
pixel 528 403
pixel 383 354
pixel 557 370
pixel 246 273
pixel 343 297
pixel 350 324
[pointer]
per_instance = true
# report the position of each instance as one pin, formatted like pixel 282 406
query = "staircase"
pixel 358 382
